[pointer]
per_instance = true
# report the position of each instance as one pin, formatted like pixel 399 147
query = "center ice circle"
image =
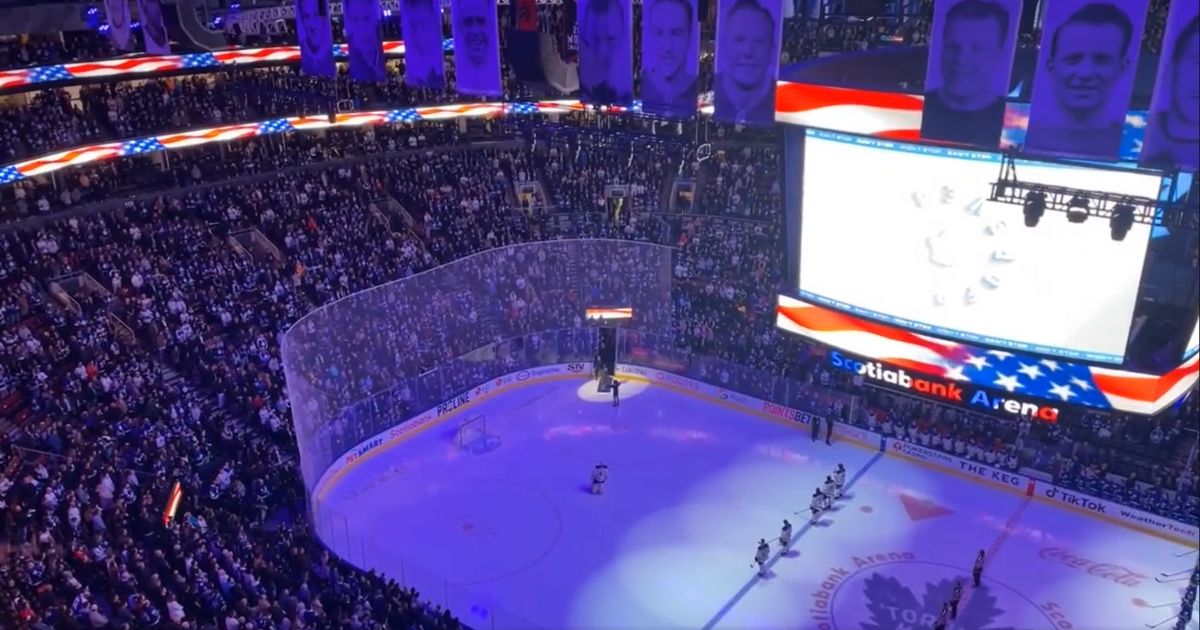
pixel 909 594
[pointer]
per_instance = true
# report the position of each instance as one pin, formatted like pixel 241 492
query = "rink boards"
pixel 1036 489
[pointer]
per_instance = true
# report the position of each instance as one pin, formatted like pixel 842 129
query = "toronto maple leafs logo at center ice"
pixel 910 595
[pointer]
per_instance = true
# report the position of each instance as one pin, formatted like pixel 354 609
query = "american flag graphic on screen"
pixel 1019 374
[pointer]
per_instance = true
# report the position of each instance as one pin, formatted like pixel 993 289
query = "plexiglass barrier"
pixel 365 364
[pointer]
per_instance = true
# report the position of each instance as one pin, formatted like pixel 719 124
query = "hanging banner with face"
pixel 1173 132
pixel 117 12
pixel 670 57
pixel 154 30
pixel 748 40
pixel 606 52
pixel 1084 78
pixel 362 22
pixel 421 28
pixel 316 37
pixel 476 47
pixel 970 63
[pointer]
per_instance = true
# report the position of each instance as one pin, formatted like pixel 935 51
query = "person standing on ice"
pixel 977 571
pixel 943 617
pixel 616 390
pixel 760 556
pixel 828 490
pixel 599 476
pixel 955 597
pixel 839 480
pixel 785 536
pixel 815 506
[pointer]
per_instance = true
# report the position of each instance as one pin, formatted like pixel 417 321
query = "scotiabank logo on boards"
pixel 947 391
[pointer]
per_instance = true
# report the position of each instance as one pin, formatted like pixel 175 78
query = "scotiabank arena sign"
pixel 950 392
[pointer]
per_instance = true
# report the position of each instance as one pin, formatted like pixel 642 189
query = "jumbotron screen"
pixel 902 233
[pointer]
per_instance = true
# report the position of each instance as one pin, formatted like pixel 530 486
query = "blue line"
pixel 733 601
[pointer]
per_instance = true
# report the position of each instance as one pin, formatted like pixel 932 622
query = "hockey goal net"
pixel 471 429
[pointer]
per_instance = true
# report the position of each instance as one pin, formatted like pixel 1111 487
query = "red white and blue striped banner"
pixel 149 65
pixel 1060 381
pixel 226 133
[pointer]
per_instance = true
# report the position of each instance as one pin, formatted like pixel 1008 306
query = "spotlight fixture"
pixel 1077 209
pixel 1035 207
pixel 1121 221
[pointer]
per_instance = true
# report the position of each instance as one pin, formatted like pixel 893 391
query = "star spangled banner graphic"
pixel 1023 375
pixel 226 133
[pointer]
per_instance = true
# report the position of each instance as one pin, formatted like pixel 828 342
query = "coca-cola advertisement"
pixel 1103 570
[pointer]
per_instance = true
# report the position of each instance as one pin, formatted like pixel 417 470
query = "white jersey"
pixel 764 552
pixel 839 478
pixel 785 535
pixel 817 502
pixel 829 488
pixel 600 474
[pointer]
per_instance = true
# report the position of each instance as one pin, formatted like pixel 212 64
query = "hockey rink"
pixel 507 534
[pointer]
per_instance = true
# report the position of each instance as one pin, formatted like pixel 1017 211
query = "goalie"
pixel 599 476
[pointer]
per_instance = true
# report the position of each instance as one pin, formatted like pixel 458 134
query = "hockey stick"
pixel 1162 581
pixel 1163 605
pixel 1165 574
pixel 1187 553
pixel 1161 622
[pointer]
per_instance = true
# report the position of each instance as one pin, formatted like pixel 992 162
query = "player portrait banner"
pixel 424 59
pixel 316 37
pixel 970 64
pixel 1085 71
pixel 154 29
pixel 476 47
pixel 606 52
pixel 1173 131
pixel 748 39
pixel 670 57
pixel 119 33
pixel 362 20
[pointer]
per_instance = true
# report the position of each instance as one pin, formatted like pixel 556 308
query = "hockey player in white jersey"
pixel 599 476
pixel 839 480
pixel 817 501
pixel 829 490
pixel 760 556
pixel 785 536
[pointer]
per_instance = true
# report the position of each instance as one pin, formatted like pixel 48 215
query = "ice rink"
pixel 507 534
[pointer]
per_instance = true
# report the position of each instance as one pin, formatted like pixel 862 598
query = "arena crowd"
pixel 142 305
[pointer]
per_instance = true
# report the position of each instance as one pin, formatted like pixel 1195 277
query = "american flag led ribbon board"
pixel 609 313
pixel 1025 375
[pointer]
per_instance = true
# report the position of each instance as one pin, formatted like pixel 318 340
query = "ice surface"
pixel 507 535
